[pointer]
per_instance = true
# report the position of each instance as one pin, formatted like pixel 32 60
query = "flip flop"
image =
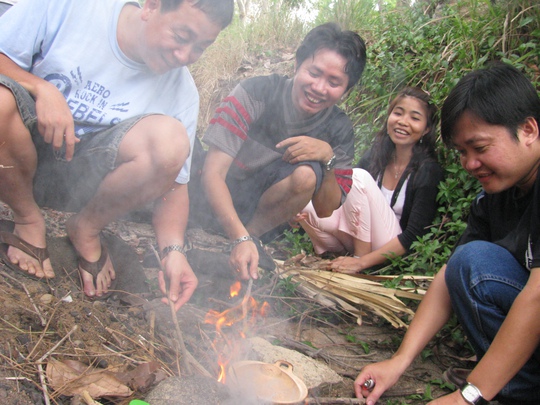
pixel 8 238
pixel 94 268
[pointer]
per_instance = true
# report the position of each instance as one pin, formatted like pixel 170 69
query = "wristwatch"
pixel 330 164
pixel 472 395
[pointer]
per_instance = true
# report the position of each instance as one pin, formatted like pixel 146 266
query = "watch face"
pixel 471 394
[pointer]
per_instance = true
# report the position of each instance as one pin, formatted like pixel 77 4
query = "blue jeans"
pixel 483 280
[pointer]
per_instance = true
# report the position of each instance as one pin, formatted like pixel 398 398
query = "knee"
pixel 169 147
pixel 303 180
pixel 468 262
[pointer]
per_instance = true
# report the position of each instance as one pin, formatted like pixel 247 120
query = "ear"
pixel 149 7
pixel 528 131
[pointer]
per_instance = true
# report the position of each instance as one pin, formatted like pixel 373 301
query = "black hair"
pixel 383 148
pixel 346 43
pixel 499 95
pixel 219 11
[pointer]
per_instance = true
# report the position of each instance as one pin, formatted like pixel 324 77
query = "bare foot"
pixel 33 233
pixel 88 246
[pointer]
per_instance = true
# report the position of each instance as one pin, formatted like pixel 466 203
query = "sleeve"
pixel 189 119
pixel 24 29
pixel 342 142
pixel 232 119
pixel 424 203
pixel 477 223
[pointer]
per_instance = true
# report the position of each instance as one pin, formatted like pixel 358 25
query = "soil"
pixel 133 332
pixel 119 334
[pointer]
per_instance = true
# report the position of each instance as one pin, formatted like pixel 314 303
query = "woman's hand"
pixel 347 265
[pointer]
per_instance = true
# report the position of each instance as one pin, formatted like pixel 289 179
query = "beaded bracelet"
pixel 240 240
pixel 170 248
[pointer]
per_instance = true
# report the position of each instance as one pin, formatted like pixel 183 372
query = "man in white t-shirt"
pixel 98 116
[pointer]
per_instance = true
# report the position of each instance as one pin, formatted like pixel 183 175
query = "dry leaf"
pixel 71 381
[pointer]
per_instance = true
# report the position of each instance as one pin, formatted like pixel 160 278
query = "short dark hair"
pixel 346 43
pixel 219 11
pixel 498 95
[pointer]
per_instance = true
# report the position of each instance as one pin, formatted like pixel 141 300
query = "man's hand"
pixel 304 148
pixel 384 375
pixel 55 122
pixel 182 279
pixel 244 260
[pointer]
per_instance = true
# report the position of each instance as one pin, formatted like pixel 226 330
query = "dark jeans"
pixel 483 280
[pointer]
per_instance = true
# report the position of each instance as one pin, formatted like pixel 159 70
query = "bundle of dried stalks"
pixel 354 293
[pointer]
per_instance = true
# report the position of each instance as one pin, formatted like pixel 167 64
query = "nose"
pixel 319 86
pixel 470 162
pixel 403 120
pixel 184 56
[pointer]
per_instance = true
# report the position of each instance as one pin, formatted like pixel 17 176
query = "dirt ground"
pixel 133 332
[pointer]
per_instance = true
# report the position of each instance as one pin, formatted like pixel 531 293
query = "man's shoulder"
pixel 263 86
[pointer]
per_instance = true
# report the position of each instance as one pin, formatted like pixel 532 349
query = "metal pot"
pixel 260 382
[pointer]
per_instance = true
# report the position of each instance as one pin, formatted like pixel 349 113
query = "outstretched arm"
pixel 170 220
pixel 351 265
pixel 432 314
pixel 244 257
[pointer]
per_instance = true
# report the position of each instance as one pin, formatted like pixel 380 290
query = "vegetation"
pixel 431 43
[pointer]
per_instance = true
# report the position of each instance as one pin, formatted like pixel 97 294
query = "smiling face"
pixel 319 82
pixel 494 156
pixel 407 122
pixel 176 38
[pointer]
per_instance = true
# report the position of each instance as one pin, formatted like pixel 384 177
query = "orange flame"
pixel 225 343
pixel 235 289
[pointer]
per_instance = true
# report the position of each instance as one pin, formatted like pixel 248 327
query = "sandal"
pixel 8 238
pixel 94 268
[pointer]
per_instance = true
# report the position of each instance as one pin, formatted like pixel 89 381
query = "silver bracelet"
pixel 170 248
pixel 240 240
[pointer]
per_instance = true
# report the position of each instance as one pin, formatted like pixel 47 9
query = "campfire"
pixel 233 325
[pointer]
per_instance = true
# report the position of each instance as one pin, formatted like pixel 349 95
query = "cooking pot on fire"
pixel 266 383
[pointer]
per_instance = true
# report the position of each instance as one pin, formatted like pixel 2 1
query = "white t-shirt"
pixel 73 44
pixel 400 201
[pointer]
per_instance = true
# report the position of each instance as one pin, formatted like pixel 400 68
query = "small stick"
pixel 179 338
pixel 73 329
pixel 152 329
pixel 88 398
pixel 43 384
pixel 43 321
pixel 247 295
